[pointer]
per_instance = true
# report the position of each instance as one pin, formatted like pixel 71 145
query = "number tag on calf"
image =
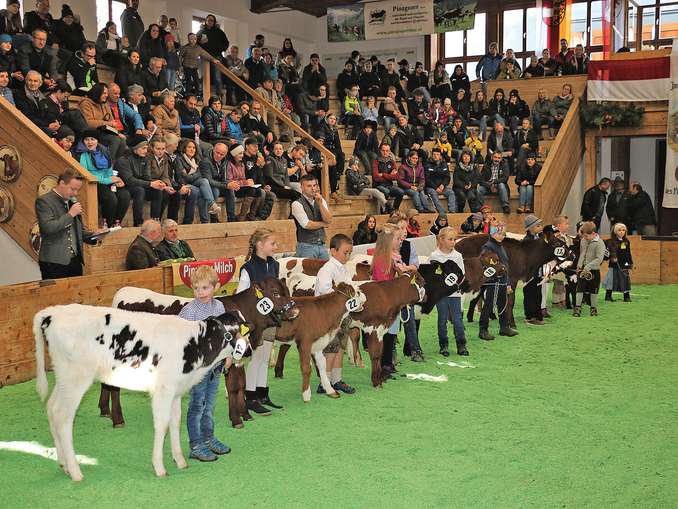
pixel 265 306
pixel 451 279
pixel 559 252
pixel 489 272
pixel 239 350
pixel 352 304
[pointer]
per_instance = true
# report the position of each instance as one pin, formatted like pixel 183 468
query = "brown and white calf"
pixel 320 319
pixel 164 356
pixel 358 267
pixel 263 305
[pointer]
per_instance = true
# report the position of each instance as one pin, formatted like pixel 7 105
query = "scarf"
pixel 192 164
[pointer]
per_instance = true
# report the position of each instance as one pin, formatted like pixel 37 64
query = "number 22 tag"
pixel 265 306
pixel 352 304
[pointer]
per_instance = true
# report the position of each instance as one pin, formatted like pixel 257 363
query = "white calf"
pixel 164 356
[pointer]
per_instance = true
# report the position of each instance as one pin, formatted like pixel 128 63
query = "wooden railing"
pixel 328 157
pixel 561 166
pixel 39 157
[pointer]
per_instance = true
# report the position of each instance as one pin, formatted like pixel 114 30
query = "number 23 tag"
pixel 265 306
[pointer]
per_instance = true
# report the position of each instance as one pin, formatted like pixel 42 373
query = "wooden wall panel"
pixel 669 262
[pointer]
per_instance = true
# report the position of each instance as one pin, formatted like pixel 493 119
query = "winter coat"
pixel 134 170
pixel 525 172
pixel 275 171
pixel 132 25
pixel 129 75
pixel 311 80
pixel 530 137
pixel 84 74
pixel 217 42
pixel 96 115
pixel 409 176
pixel 561 105
pixel 166 120
pixel 520 109
pixel 384 171
pixel 356 181
pixel 502 174
pixel 436 174
pixel 593 204
pixel 617 207
pixel 70 37
pixel 364 143
pixel 464 175
pixel 149 48
pixel 216 125
pixel 488 67
pixel 98 163
pixel 641 211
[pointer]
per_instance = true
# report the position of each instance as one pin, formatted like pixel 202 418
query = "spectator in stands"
pixel 255 164
pixel 465 182
pixel 561 104
pixel 501 140
pixel 617 203
pixel 437 177
pixel 508 71
pixel 329 137
pixel 498 107
pixel 235 64
pixel 152 45
pixel 413 228
pixel 391 78
pixel 187 172
pixel 299 164
pixel 409 139
pixel 392 139
pixel 172 62
pixel 98 115
pixel 412 181
pixel 366 146
pixel 174 30
pixel 190 57
pixel 418 79
pixel 474 144
pixel 460 104
pixel 35 57
pixel 390 109
pixel 366 233
pixel 385 177
pixel 306 109
pixel 154 81
pixel 130 72
pixel 449 113
pixel 578 62
pixel 215 122
pixel 5 91
pixel 233 125
pixel 109 45
pixel 593 203
pixel 314 76
pixel 473 223
pixel 534 70
pixel 133 170
pixel 127 120
pixel 439 82
pixel 242 186
pixel 131 22
pixel 369 81
pixel 443 144
pixel 54 111
pixel 417 109
pixel 213 168
pixel 171 247
pixel 265 89
pixel 526 141
pixel 141 253
pixel 358 184
pixel 159 167
pixel 551 67
pixel 346 79
pixel 8 60
pixel 564 55
pixel 542 113
pixel 213 40
pixel 10 19
pixel 256 68
pixel 510 57
pixel 403 69
pixel 439 224
pixel 488 66
pixel 112 196
pixel 68 32
pixel 66 141
pixel 456 135
pixel 83 67
pixel 353 115
pixel 27 98
pixel 137 101
pixel 285 105
pixel 277 174
pixel 287 70
pixel 370 110
pixel 288 50
pixel 526 176
pixel 516 110
pixel 41 19
pixel 311 216
pixel 181 189
pixel 641 211
pixel 166 115
pixel 494 181
pixel 253 124
pixel 459 81
pixel 479 112
pixel 259 42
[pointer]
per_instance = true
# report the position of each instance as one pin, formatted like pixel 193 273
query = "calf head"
pixel 492 266
pixel 220 337
pixel 557 247
pixel 441 280
pixel 273 303
pixel 416 287
pixel 355 297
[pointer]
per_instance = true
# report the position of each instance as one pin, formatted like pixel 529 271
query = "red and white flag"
pixel 647 79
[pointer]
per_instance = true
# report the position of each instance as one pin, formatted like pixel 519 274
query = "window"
pixel 110 10
pixel 196 23
pixel 465 47
pixel 658 25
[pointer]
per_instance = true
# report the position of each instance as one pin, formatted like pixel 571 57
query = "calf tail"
pixel 41 376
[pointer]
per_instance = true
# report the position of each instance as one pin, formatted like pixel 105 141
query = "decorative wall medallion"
pixel 7 204
pixel 34 237
pixel 10 163
pixel 46 184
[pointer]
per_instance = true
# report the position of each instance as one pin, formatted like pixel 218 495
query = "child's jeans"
pixel 449 308
pixel 199 418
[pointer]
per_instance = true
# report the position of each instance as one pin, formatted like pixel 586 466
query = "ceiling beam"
pixel 262 6
pixel 315 8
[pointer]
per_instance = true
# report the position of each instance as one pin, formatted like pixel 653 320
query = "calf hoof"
pixel 278 375
pixel 333 395
pixel 77 477
pixel 306 395
pixel 238 425
pixel 119 424
pixel 105 414
pixel 181 464
pixel 161 473
pixel 247 417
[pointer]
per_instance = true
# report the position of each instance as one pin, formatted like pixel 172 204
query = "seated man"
pixel 494 178
pixel 437 176
pixel 127 119
pixel 137 101
pixel 214 168
pixel 83 66
pixel 172 247
pixel 141 253
pixel 36 57
pixel 155 82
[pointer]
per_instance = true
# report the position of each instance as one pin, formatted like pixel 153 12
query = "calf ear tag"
pixel 451 280
pixel 559 251
pixel 413 280
pixel 239 350
pixel 439 270
pixel 244 330
pixel 264 306
pixel 489 272
pixel 258 293
pixel 352 304
pixel 493 261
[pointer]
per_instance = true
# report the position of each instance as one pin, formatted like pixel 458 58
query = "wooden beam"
pixel 262 6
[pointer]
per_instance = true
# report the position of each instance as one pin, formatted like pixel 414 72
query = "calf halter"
pixel 451 279
pixel 420 289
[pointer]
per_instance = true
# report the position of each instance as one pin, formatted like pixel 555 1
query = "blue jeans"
pixel 539 120
pixel 215 75
pixel 388 122
pixel 171 75
pixel 391 191
pixel 229 199
pixel 410 327
pixel 482 126
pixel 305 250
pixel 449 308
pixel 202 187
pixel 199 418
pixel 526 195
pixel 502 192
pixel 419 200
pixel 449 194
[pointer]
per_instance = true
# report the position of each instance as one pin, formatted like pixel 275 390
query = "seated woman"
pixel 187 173
pixel 359 184
pixel 171 247
pixel 108 45
pixel 366 232
pixel 98 115
pixel 478 113
pixel 167 116
pixel 130 72
pixel 526 176
pixel 561 103
pixel 390 109
pixel 517 109
pixel 112 196
pixel 439 82
pixel 252 197
pixel 498 107
pixel 216 124
pixel 465 183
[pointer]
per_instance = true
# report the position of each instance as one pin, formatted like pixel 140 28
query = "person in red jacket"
pixel 385 176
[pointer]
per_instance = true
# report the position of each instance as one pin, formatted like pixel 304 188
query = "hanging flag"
pixel 646 79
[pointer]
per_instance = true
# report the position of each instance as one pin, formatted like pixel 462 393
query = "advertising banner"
pixel 228 270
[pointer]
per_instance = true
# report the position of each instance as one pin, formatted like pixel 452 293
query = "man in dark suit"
pixel 60 218
pixel 141 253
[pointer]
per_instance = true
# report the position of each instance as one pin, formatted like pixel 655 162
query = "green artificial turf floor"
pixel 578 413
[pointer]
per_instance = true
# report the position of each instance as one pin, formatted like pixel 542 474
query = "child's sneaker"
pixel 594 311
pixel 343 387
pixel 202 453
pixel 577 311
pixel 217 447
pixel 320 389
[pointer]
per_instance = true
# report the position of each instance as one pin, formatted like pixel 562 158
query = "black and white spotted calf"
pixel 162 355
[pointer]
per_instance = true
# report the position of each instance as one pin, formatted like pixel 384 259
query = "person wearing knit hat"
pixel 4 38
pixel 238 149
pixel 67 31
pixel 473 223
pixel 90 133
pixel 497 288
pixel 413 227
pixel 136 141
pixel 66 11
pixel 532 289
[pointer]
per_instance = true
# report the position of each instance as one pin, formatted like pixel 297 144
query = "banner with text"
pixel 670 200
pixel 228 270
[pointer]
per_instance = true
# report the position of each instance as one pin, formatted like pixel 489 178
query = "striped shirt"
pixel 196 310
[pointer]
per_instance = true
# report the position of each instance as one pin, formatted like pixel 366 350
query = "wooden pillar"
pixel 206 85
pixel 325 180
pixel 590 160
pixel 621 155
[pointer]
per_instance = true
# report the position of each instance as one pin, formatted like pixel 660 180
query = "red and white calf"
pixel 164 356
